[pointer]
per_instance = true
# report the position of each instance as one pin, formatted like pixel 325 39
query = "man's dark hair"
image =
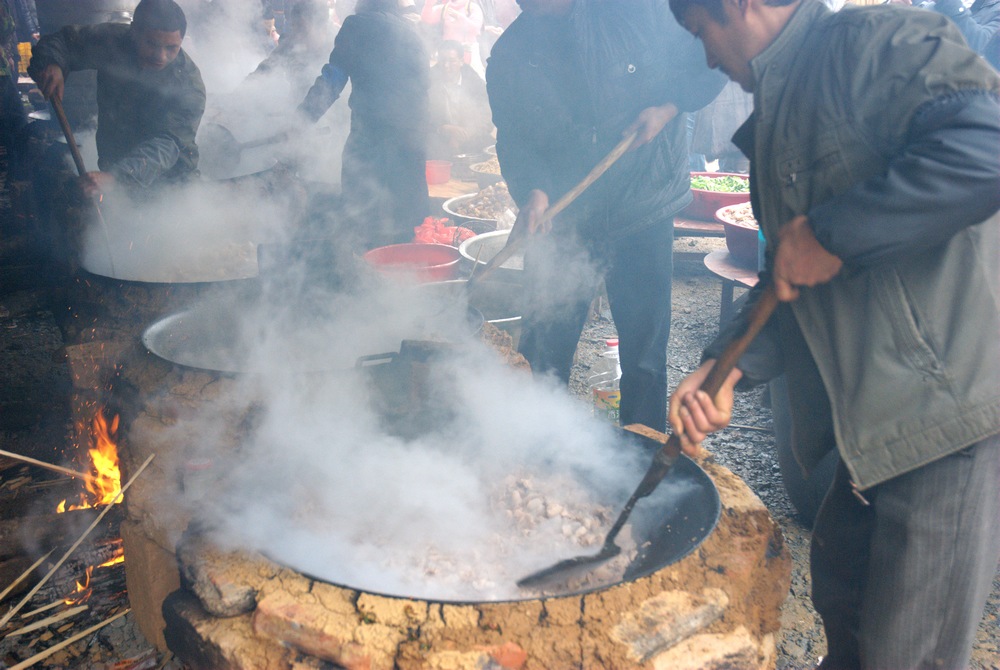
pixel 713 7
pixel 163 15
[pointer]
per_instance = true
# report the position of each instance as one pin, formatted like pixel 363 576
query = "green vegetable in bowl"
pixel 725 184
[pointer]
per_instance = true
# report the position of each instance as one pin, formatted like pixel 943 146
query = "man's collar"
pixel 791 40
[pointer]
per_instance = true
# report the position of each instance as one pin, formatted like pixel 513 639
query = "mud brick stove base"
pixel 225 610
pixel 717 608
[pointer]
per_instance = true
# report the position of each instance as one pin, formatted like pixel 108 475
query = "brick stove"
pixel 233 610
pixel 216 609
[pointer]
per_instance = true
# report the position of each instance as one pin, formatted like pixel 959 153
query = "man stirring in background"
pixel 567 81
pixel 875 171
pixel 150 96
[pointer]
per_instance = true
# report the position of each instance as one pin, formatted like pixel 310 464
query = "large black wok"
pixel 667 526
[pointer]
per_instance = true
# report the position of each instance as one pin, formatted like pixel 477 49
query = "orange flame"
pixel 82 591
pixel 114 560
pixel 106 480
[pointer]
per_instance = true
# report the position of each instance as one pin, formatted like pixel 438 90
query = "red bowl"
pixel 741 235
pixel 421 262
pixel 706 203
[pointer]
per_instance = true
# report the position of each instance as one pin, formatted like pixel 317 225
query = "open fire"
pixel 105 479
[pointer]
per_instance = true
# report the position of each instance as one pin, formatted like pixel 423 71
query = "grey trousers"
pixel 901 583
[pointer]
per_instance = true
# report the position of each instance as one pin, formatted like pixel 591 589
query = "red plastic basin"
pixel 707 203
pixel 421 262
pixel 741 236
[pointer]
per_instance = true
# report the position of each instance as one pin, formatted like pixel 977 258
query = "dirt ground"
pixel 35 381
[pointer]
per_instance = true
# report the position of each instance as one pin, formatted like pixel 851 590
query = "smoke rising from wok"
pixel 313 477
pixel 321 484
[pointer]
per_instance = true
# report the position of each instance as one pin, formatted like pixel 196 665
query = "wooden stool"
pixel 722 265
pixel 697 228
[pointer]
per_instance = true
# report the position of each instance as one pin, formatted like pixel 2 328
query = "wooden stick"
pixel 23 575
pixel 68 641
pixel 475 263
pixel 68 133
pixel 82 170
pixel 28 615
pixel 42 623
pixel 48 466
pixel 513 245
pixel 11 613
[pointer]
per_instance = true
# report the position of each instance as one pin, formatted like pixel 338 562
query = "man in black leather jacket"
pixel 567 81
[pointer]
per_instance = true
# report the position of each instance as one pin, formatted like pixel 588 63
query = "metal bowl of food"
pixel 459 210
pixel 500 302
pixel 486 172
pixel 482 248
pixel 482 212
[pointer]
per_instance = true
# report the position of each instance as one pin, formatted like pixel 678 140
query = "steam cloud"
pixel 314 478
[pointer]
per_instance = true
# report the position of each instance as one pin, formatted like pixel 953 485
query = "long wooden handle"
pixel 82 170
pixel 68 132
pixel 514 244
pixel 761 312
pixel 671 449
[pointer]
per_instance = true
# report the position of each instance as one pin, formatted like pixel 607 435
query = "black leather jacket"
pixel 562 90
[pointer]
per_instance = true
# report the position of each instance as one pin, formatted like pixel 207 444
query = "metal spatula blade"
pixel 565 569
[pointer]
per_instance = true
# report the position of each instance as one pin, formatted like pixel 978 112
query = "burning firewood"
pixel 19 537
pixel 17 608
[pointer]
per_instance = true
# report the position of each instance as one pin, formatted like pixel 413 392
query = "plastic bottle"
pixel 605 383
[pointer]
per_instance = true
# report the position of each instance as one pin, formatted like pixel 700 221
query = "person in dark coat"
pixel 150 96
pixel 26 19
pixel 383 167
pixel 306 38
pixel 460 108
pixel 567 81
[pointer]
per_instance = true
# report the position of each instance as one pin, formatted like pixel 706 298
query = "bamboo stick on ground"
pixel 28 615
pixel 31 594
pixel 23 575
pixel 48 466
pixel 55 618
pixel 41 656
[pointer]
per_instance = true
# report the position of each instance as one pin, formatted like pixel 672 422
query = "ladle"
pixel 82 170
pixel 223 152
pixel 665 457
pixel 514 244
